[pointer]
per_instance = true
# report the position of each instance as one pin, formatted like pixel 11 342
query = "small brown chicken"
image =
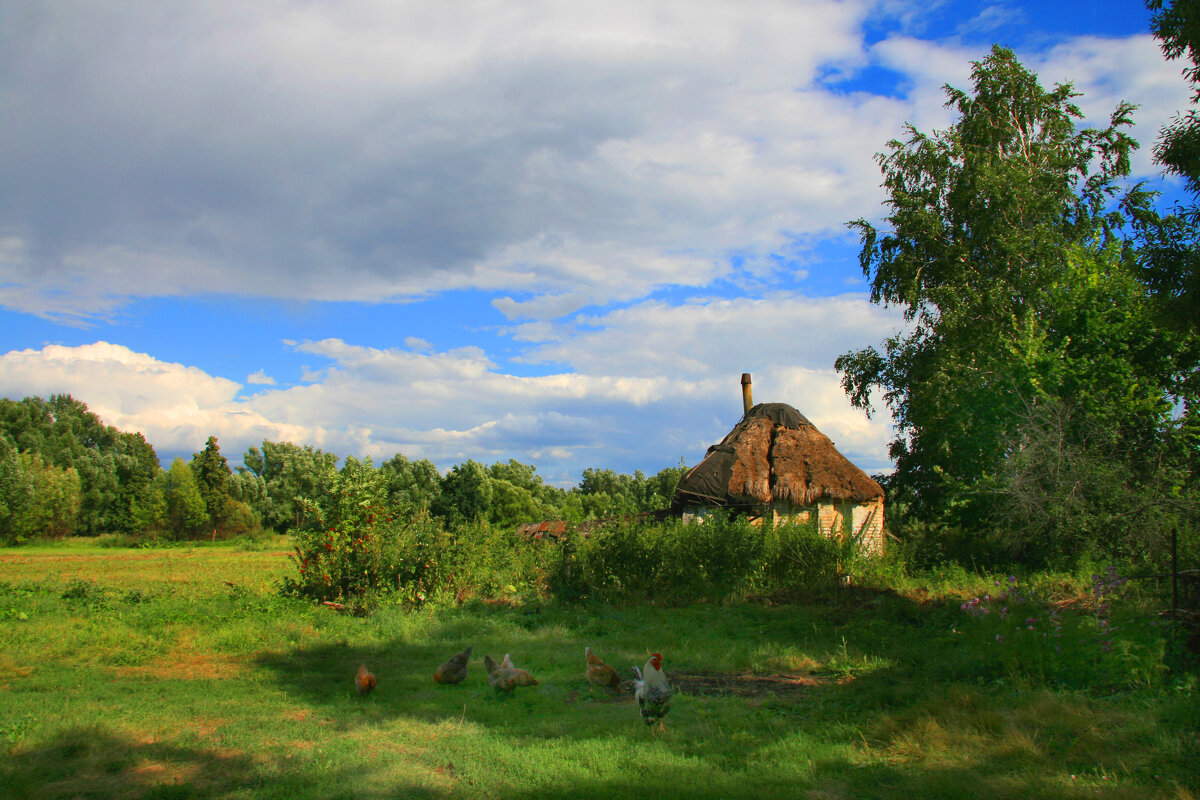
pixel 364 681
pixel 505 679
pixel 599 673
pixel 454 670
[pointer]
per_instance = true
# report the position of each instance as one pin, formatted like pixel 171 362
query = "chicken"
pixel 364 681
pixel 652 691
pixel 454 670
pixel 506 662
pixel 505 679
pixel 599 673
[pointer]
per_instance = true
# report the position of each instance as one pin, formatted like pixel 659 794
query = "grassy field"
pixel 180 673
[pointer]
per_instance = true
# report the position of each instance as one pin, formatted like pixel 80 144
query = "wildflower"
pixel 999 637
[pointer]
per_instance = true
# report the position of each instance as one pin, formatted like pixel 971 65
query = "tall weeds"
pixel 370 558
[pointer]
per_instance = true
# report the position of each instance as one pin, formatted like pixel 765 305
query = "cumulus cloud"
pixel 719 336
pixel 176 407
pixel 453 405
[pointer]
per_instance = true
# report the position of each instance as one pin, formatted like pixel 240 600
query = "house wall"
pixel 868 525
pixel 862 521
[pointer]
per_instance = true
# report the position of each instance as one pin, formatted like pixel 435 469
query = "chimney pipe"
pixel 747 398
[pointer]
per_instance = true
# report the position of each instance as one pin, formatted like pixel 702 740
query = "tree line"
pixel 64 472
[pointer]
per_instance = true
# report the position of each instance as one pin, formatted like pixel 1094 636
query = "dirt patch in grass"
pixel 752 685
pixel 743 684
pixel 190 667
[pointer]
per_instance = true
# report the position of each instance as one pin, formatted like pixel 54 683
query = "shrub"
pixel 357 563
pixel 674 561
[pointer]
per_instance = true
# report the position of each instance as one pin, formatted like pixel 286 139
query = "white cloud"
pixel 175 406
pixel 260 378
pixel 715 336
pixel 453 405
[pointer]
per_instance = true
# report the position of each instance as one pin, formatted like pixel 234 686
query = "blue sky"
pixel 550 231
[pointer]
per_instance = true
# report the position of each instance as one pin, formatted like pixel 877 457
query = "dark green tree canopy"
pixel 993 227
pixel 212 479
pixel 1177 26
pixel 1171 243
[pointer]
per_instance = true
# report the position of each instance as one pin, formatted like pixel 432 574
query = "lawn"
pixel 179 672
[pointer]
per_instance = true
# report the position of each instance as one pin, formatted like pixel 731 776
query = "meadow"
pixel 182 672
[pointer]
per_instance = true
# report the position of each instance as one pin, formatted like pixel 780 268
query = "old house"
pixel 776 462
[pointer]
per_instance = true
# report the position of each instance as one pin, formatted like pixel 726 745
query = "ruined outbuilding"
pixel 775 462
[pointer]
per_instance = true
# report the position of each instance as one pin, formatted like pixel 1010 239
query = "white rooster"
pixel 652 691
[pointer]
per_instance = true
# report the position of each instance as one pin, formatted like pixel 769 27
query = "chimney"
pixel 747 399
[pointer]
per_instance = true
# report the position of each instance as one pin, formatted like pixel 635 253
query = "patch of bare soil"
pixel 743 684
pixel 196 666
pixel 751 685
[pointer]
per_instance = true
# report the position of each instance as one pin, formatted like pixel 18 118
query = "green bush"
pixel 674 561
pixel 356 564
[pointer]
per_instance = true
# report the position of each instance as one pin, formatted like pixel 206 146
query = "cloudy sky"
pixel 551 231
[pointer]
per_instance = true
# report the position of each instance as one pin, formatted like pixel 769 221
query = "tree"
pixel 297 479
pixel 467 493
pixel 984 219
pixel 186 514
pixel 138 505
pixel 212 480
pixel 36 498
pixel 520 495
pixel 411 484
pixel 116 470
pixel 1092 461
pixel 1177 26
pixel 1171 243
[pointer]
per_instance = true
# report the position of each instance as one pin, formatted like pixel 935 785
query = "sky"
pixel 551 231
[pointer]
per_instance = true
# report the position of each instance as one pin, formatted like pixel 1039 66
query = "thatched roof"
pixel 774 455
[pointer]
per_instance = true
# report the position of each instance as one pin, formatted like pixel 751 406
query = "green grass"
pixel 179 673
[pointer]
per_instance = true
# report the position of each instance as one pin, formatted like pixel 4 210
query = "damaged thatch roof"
pixel 774 455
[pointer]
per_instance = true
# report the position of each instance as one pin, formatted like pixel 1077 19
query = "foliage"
pixel 466 494
pixel 295 477
pixel 1176 23
pixel 1002 252
pixel 186 515
pixel 116 469
pixel 362 550
pixel 36 499
pixel 677 562
pixel 212 479
pixel 411 484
